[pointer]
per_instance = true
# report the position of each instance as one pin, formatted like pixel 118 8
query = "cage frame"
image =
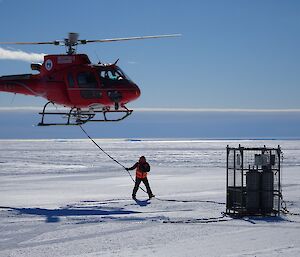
pixel 240 193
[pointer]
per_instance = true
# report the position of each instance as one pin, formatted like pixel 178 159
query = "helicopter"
pixel 72 81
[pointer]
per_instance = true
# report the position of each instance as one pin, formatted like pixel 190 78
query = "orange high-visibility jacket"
pixel 141 169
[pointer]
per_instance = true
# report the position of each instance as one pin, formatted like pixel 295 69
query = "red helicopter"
pixel 71 80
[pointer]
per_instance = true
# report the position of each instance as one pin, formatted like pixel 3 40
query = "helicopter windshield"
pixel 112 73
pixel 123 73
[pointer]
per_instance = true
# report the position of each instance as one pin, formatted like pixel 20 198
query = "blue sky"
pixel 233 54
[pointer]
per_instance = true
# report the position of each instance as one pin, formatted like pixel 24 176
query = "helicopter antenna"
pixel 115 63
pixel 99 61
pixel 72 41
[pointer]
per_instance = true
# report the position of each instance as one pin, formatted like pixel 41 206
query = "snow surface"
pixel 66 198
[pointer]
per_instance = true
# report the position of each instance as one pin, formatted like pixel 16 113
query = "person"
pixel 142 168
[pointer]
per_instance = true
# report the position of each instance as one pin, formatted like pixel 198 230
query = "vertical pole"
pixel 227 192
pixel 234 181
pixel 271 169
pixel 279 179
pixel 242 177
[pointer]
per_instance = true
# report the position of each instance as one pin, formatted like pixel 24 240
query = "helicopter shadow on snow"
pixel 89 213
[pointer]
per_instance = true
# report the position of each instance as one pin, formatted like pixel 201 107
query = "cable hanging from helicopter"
pixel 72 81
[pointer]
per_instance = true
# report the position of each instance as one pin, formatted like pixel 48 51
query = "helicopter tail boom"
pixel 20 84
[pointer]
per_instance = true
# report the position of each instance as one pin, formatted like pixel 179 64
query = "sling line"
pixel 116 161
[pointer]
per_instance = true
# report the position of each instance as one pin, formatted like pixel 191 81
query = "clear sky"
pixel 233 54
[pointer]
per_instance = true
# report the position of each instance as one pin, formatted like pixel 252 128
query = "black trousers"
pixel 137 184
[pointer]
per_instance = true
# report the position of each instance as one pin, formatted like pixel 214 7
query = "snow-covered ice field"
pixel 66 198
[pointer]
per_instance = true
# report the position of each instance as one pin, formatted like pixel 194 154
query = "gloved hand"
pixel 127 169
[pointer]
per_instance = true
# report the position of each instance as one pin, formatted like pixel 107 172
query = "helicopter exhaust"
pixel 6 54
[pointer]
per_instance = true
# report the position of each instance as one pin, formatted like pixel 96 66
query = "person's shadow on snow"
pixel 142 203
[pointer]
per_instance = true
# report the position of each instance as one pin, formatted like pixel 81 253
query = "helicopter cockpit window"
pixel 111 74
pixel 88 85
pixel 124 75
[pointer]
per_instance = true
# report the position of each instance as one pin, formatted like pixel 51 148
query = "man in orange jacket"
pixel 142 168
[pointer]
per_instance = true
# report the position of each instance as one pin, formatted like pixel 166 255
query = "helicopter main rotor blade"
pixel 32 43
pixel 126 38
pixel 80 41
pixel 72 41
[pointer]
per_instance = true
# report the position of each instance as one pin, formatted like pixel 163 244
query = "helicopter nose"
pixel 137 91
pixel 134 92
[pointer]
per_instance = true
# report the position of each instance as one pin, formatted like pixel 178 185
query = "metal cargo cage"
pixel 253 181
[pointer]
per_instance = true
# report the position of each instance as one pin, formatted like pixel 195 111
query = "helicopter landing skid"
pixel 77 116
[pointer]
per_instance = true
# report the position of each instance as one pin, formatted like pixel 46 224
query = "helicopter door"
pixel 73 91
pixel 86 87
